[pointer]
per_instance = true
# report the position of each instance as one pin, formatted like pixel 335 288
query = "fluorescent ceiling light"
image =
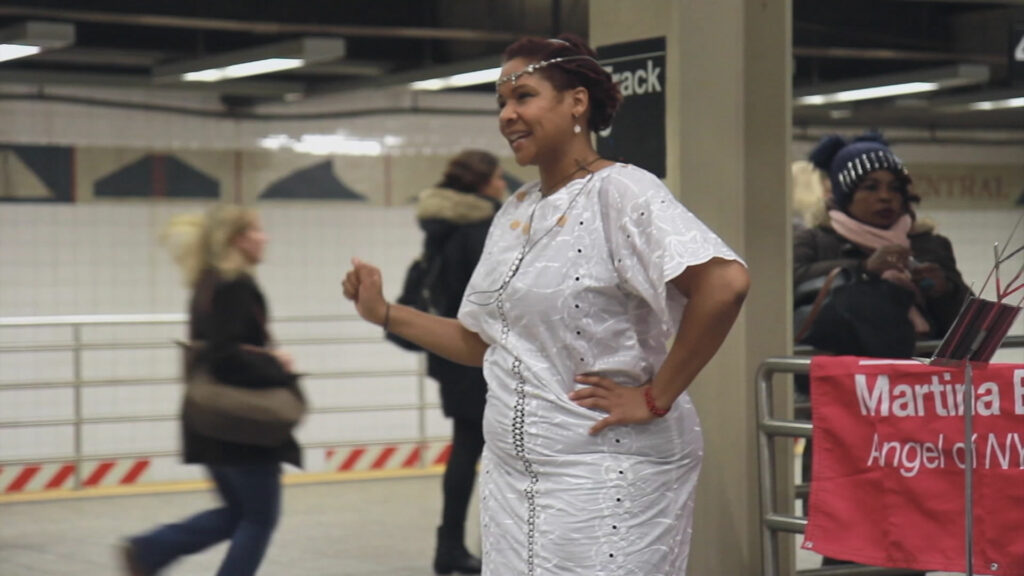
pixel 13 51
pixel 1003 99
pixel 34 36
pixel 275 142
pixel 997 104
pixel 458 80
pixel 242 70
pixel 324 144
pixel 866 93
pixel 899 84
pixel 264 59
pixel 331 144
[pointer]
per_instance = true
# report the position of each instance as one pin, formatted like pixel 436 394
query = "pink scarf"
pixel 871 239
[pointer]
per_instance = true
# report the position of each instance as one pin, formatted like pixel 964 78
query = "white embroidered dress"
pixel 576 283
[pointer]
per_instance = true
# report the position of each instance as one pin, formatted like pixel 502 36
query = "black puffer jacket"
pixel 224 314
pixel 456 225
pixel 818 250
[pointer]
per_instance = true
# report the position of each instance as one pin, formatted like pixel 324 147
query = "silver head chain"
pixel 513 77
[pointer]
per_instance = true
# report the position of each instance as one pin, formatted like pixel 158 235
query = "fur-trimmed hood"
pixel 454 206
pixel 442 211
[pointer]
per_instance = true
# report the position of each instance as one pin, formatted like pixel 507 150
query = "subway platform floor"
pixel 372 527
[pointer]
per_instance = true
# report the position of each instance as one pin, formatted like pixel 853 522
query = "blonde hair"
pixel 201 241
pixel 810 194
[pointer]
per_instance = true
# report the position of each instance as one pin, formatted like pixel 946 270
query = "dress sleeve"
pixel 653 238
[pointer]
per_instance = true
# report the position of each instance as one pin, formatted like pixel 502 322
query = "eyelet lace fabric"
pixel 587 293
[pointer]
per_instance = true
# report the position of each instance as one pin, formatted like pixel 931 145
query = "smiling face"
pixel 535 118
pixel 879 200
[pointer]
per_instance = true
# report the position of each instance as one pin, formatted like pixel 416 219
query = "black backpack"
pixel 419 291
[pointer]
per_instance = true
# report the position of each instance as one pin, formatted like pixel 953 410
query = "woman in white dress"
pixel 597 301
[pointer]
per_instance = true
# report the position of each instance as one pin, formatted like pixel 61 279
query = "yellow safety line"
pixel 197 485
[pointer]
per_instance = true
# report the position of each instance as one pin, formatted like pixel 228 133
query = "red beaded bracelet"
pixel 649 397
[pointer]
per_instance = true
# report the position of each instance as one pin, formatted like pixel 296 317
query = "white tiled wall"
pixel 103 258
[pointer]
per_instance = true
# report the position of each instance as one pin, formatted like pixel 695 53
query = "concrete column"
pixel 727 86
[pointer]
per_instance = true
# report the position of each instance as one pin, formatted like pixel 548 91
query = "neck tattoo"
pixel 580 167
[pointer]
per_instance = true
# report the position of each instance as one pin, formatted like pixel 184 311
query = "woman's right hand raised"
pixel 362 285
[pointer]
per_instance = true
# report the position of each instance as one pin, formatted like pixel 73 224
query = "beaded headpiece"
pixel 537 66
pixel 853 171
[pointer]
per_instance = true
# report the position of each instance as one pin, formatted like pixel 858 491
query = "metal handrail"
pixel 769 428
pixel 157 318
pixel 921 348
pixel 175 416
pixel 75 344
pixel 175 380
pixel 161 344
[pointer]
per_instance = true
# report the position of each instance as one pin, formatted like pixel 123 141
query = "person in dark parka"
pixel 455 216
pixel 228 313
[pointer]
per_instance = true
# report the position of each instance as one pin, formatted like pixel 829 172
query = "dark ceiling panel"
pixel 834 40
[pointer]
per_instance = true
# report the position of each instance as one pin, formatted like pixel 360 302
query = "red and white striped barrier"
pixel 387 457
pixel 38 477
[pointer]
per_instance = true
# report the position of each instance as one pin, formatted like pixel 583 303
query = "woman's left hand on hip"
pixel 623 404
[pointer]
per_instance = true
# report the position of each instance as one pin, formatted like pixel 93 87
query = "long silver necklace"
pixel 489 297
pixel 580 166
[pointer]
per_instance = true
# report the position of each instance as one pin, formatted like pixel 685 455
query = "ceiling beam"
pixel 255 88
pixel 112 57
pixel 974 2
pixel 407 76
pixel 258 27
pixel 895 54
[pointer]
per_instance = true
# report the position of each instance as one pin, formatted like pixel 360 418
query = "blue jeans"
pixel 252 505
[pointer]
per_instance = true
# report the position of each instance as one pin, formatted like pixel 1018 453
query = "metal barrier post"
pixel 421 399
pixel 969 467
pixel 766 465
pixel 76 331
pixel 768 428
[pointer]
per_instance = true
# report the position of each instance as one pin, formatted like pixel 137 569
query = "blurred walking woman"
pixel 217 253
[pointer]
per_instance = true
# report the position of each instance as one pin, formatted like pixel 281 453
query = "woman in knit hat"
pixel 871 231
pixel 902 279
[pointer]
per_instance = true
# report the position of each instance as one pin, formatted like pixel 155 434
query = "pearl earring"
pixel 576 129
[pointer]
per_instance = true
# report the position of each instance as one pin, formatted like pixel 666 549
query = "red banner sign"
pixel 889 461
